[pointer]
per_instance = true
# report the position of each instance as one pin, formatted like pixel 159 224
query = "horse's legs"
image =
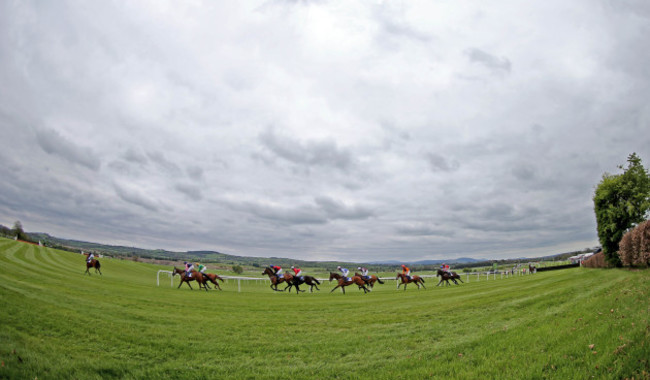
pixel 334 288
pixel 422 283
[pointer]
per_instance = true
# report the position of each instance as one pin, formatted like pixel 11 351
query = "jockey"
pixel 344 271
pixel 445 268
pixel 406 271
pixel 276 269
pixel 297 272
pixel 91 256
pixel 364 272
pixel 188 269
pixel 202 268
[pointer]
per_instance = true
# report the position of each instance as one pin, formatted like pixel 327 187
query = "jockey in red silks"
pixel 297 272
pixel 276 269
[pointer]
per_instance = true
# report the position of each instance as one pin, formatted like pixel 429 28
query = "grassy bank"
pixel 58 323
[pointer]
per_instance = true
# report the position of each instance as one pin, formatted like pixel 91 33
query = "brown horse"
pixel 92 264
pixel 275 280
pixel 196 276
pixel 212 277
pixel 417 280
pixel 343 282
pixel 370 280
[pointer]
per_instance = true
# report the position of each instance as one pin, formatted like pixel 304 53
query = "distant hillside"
pixel 226 259
pixel 204 256
pixel 460 260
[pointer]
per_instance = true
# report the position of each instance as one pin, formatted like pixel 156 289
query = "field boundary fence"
pixel 468 276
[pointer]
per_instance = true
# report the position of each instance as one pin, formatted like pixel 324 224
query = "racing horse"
pixel 345 281
pixel 446 276
pixel 94 263
pixel 309 280
pixel 212 277
pixel 196 276
pixel 370 280
pixel 417 280
pixel 275 280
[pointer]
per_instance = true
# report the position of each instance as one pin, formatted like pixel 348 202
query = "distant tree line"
pixel 15 232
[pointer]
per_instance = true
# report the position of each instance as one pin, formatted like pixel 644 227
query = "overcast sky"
pixel 347 130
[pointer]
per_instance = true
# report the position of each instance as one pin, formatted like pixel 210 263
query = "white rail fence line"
pixel 264 279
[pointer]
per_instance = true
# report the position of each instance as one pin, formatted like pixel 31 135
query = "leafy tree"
pixel 237 269
pixel 621 201
pixel 18 231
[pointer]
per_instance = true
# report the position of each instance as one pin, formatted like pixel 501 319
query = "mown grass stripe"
pixel 537 326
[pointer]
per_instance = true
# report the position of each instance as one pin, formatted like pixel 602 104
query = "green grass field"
pixel 57 323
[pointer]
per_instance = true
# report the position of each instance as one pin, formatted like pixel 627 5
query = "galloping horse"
pixel 196 276
pixel 275 280
pixel 309 280
pixel 92 264
pixel 343 282
pixel 370 280
pixel 212 277
pixel 405 280
pixel 446 276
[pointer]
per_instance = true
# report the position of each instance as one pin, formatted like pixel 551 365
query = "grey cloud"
pixel 193 192
pixel 289 215
pixel 135 157
pixel 317 153
pixel 162 161
pixel 440 163
pixel 488 60
pixel 135 197
pixel 195 172
pixel 524 172
pixel 338 210
pixel 53 143
pixel 422 229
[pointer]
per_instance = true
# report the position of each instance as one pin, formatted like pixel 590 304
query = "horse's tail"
pixel 98 265
pixel 422 279
pixel 379 280
pixel 316 280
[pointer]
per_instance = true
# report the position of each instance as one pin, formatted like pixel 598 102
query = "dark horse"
pixel 417 280
pixel 92 264
pixel 343 282
pixel 196 276
pixel 446 276
pixel 309 280
pixel 370 280
pixel 275 280
pixel 532 269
